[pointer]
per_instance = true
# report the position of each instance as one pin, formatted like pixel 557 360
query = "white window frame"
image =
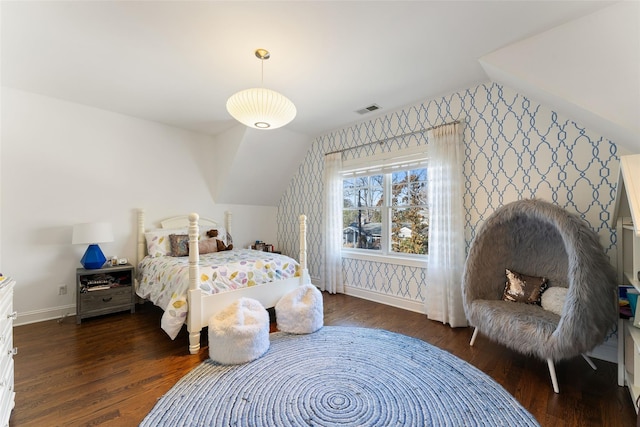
pixel 385 164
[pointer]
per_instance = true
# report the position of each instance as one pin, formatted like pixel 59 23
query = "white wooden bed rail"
pixel 201 306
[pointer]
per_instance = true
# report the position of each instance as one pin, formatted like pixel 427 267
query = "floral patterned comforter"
pixel 165 280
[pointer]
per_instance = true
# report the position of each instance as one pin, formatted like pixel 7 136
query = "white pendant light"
pixel 261 108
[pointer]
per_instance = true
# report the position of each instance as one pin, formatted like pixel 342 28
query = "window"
pixel 385 209
pixel 362 211
pixel 409 212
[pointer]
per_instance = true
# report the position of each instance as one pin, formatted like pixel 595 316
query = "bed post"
pixel 142 246
pixel 227 225
pixel 303 241
pixel 194 314
pixel 302 257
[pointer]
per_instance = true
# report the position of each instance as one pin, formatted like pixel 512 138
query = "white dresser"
pixel 7 351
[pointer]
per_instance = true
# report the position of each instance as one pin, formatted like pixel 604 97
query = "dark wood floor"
pixel 110 370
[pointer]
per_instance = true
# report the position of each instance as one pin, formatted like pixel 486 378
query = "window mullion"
pixel 386 215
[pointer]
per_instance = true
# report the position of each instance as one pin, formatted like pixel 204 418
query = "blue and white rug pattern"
pixel 341 376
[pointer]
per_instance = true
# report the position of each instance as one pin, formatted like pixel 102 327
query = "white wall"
pixel 64 163
pixel 514 148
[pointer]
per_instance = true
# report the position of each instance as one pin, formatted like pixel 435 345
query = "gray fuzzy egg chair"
pixel 539 239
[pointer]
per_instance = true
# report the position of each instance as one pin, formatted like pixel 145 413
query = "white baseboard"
pixel 46 314
pixel 391 300
pixel 381 298
pixel 607 351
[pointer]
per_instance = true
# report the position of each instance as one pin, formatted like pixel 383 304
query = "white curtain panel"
pixel 333 224
pixel 443 297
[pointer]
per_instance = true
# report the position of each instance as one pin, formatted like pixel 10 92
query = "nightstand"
pixel 104 290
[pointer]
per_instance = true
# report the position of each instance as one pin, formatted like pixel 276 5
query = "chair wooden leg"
pixel 552 372
pixel 473 337
pixel 590 362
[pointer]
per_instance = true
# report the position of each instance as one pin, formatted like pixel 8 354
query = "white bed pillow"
pixel 553 299
pixel 158 240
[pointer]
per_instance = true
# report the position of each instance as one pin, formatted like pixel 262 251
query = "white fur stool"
pixel 239 333
pixel 300 311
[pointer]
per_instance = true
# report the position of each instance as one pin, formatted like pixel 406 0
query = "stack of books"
pixel 97 282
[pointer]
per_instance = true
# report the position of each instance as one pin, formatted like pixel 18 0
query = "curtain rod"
pixel 382 141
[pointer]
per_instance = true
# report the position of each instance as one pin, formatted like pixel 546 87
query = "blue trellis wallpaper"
pixel 514 149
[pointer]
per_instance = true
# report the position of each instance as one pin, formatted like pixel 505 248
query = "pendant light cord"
pixel 262 55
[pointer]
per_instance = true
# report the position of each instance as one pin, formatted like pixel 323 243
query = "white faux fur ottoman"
pixel 300 311
pixel 239 333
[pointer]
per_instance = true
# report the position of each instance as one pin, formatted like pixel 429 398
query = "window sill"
pixel 417 261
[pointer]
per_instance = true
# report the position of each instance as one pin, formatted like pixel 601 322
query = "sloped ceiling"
pixel 255 167
pixel 588 69
pixel 176 62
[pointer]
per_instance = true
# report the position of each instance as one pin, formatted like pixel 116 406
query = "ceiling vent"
pixel 370 108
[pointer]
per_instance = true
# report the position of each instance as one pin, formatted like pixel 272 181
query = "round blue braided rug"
pixel 340 376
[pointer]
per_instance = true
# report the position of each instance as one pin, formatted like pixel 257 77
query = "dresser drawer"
pixel 7 395
pixel 6 336
pixel 6 304
pixel 6 308
pixel 6 350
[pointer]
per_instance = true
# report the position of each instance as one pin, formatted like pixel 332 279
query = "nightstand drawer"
pixel 105 299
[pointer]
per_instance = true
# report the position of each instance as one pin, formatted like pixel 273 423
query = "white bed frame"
pixel 201 306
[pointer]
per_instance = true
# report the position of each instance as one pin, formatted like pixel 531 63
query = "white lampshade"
pixel 261 108
pixel 92 233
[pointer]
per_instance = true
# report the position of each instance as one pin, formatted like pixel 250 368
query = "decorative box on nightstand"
pixel 104 290
pixel 265 247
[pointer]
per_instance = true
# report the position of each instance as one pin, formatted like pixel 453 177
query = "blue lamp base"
pixel 93 258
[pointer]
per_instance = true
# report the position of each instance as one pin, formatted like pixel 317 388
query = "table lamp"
pixel 92 233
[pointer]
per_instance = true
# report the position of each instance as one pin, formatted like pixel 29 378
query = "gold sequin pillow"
pixel 522 288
